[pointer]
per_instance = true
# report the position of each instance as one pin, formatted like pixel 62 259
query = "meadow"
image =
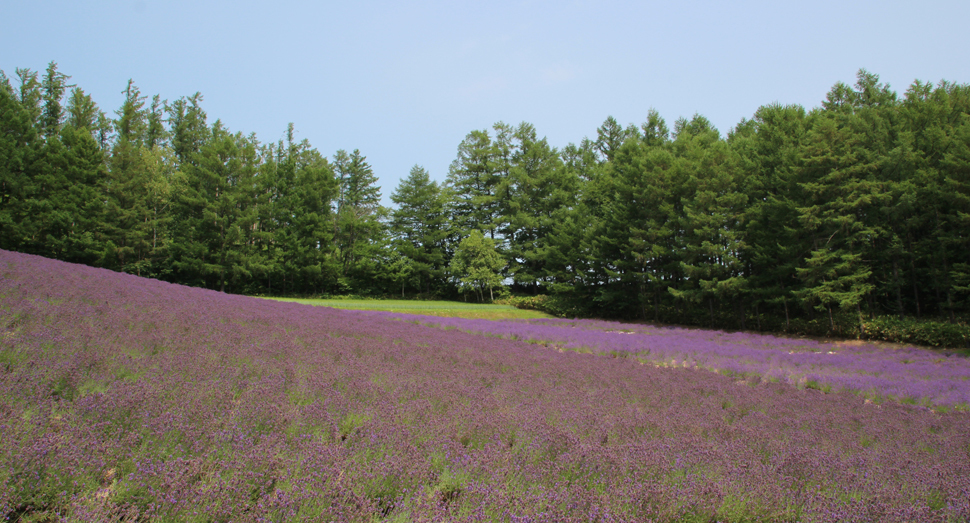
pixel 453 309
pixel 127 399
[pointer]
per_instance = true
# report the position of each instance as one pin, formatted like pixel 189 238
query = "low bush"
pixel 919 332
pixel 557 305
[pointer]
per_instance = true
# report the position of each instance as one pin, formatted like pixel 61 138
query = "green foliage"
pixel 799 221
pixel 473 181
pixel 420 231
pixel 477 264
pixel 20 151
pixel 358 218
pixel 919 332
pixel 534 196
pixel 557 305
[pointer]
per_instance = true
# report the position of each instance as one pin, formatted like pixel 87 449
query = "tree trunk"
pixel 899 289
pixel 946 275
pixel 787 321
pixel 862 322
pixel 912 266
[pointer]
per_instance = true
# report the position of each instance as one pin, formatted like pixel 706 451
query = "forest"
pixel 798 220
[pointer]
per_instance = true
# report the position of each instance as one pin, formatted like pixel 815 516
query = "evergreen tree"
pixel 188 128
pixel 20 150
pixel 81 206
pixel 610 136
pixel 312 208
pixel 30 96
pixel 82 112
pixel 155 129
pixel 540 186
pixel 712 219
pixel 641 204
pixel 358 215
pixel 474 183
pixel 126 226
pixel 841 178
pixel 420 229
pixel 768 147
pixel 54 85
pixel 209 247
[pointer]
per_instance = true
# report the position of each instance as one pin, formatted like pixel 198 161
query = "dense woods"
pixel 796 220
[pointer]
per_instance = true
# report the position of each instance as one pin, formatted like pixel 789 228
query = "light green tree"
pixel 477 264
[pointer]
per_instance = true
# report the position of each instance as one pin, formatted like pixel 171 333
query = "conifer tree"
pixel 539 186
pixel 840 177
pixel 768 147
pixel 474 183
pixel 420 229
pixel 358 213
pixel 54 85
pixel 127 230
pixel 20 150
pixel 188 127
pixel 82 112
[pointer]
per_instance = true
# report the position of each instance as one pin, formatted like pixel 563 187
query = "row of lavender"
pixel 129 399
pixel 908 374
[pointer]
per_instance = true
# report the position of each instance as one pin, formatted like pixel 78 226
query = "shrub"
pixel 557 305
pixel 920 332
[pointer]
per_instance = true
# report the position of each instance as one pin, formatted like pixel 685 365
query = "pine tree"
pixel 358 214
pixel 209 247
pixel 420 229
pixel 841 178
pixel 154 128
pixel 769 148
pixel 82 112
pixel 610 136
pixel 127 230
pixel 312 207
pixel 474 183
pixel 539 186
pixel 30 96
pixel 54 85
pixel 712 222
pixel 188 128
pixel 20 151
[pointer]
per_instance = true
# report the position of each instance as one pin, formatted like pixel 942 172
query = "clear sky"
pixel 404 82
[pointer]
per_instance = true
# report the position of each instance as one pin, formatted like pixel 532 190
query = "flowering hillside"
pixel 909 374
pixel 129 399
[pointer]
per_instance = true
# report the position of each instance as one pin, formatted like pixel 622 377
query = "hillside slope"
pixel 123 398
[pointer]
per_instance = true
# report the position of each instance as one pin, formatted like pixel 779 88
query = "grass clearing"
pixel 453 309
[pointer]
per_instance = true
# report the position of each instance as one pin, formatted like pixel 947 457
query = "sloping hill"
pixel 123 398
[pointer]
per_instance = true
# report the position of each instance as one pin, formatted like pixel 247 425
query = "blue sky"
pixel 404 82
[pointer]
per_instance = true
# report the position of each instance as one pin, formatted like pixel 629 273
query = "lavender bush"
pixel 907 374
pixel 125 399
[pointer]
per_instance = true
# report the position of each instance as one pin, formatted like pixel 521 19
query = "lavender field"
pixel 936 379
pixel 126 399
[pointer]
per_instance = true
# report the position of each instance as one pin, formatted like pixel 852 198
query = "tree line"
pixel 857 208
